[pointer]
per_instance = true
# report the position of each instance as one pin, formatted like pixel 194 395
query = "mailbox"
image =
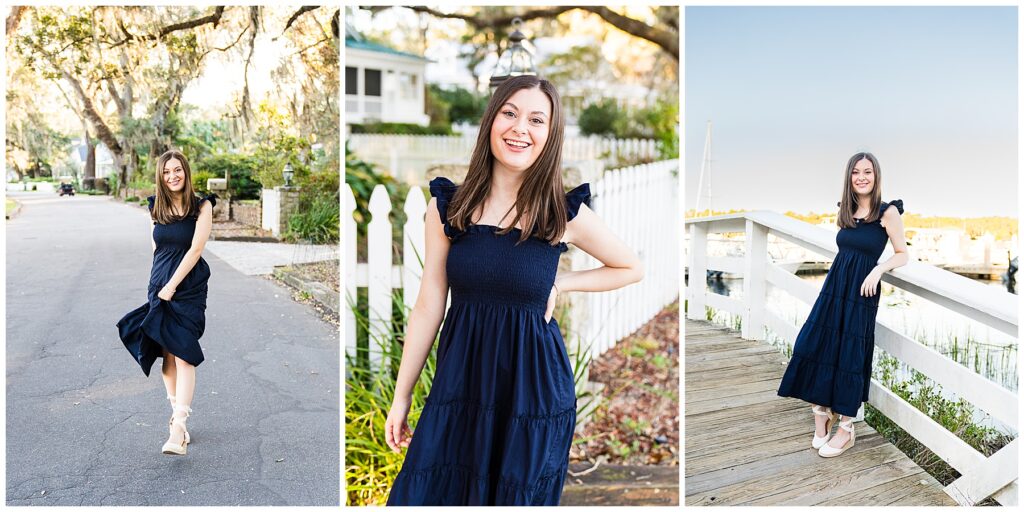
pixel 217 184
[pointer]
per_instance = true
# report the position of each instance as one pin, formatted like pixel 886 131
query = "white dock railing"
pixel 637 203
pixel 981 476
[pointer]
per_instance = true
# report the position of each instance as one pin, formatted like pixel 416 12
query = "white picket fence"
pixel 638 203
pixel 411 155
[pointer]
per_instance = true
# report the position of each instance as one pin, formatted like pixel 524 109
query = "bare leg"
pixel 167 371
pixel 186 382
pixel 184 388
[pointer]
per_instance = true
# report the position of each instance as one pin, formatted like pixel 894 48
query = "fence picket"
pixel 413 248
pixel 378 264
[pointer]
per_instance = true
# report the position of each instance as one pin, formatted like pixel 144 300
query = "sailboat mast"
pixel 705 168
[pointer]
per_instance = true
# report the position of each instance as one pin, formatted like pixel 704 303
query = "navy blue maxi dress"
pixel 498 422
pixel 831 363
pixel 177 324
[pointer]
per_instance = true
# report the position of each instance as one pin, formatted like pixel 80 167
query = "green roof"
pixel 362 44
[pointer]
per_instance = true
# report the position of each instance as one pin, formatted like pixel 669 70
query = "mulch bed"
pixel 325 272
pixel 232 230
pixel 638 421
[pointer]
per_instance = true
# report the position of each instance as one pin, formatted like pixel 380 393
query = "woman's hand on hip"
pixel 867 289
pixel 166 293
pixel 396 430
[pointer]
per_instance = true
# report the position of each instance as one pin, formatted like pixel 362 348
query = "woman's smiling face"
pixel 520 130
pixel 174 175
pixel 863 177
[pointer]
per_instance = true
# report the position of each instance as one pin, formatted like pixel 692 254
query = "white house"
pixel 383 84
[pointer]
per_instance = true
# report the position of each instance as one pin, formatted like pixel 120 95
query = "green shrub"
pixel 370 465
pixel 463 105
pixel 242 183
pixel 199 181
pixel 662 121
pixel 400 129
pixel 319 223
pixel 599 118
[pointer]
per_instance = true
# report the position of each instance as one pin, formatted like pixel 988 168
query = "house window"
pixel 351 80
pixel 407 85
pixel 372 79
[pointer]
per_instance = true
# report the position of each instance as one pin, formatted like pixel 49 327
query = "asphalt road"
pixel 85 426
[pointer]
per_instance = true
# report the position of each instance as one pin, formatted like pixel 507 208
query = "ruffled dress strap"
pixel 577 197
pixel 212 198
pixel 152 201
pixel 898 203
pixel 443 190
pixel 573 200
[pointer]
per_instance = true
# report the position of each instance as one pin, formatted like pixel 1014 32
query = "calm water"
pixel 982 349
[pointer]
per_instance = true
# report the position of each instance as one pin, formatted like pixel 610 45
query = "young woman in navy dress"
pixel 498 423
pixel 831 363
pixel 170 324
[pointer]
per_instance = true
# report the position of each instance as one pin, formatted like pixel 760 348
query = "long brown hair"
pixel 540 203
pixel 163 211
pixel 848 204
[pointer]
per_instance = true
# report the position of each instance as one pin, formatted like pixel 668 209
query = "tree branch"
pixel 667 40
pixel 103 131
pixel 214 18
pixel 14 18
pixel 498 21
pixel 302 10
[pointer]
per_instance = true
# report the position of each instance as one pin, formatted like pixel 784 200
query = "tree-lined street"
pixel 84 426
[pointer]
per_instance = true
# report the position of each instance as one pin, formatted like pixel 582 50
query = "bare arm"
pixel 893 224
pixel 621 265
pixel 424 321
pixel 152 228
pixel 203 226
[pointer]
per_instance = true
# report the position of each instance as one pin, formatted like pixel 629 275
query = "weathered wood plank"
pixel 746 445
pixel 723 477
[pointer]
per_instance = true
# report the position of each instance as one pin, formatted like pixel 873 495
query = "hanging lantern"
pixel 516 60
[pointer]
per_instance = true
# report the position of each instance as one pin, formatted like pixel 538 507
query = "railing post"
pixel 755 268
pixel 697 288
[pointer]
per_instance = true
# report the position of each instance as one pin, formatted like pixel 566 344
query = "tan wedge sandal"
pixel 828 451
pixel 818 442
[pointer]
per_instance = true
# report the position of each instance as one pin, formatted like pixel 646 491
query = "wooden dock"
pixel 744 445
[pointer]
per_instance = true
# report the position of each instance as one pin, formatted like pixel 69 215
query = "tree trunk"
pixel 89 179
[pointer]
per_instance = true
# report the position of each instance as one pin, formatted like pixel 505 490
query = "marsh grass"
pixel 955 415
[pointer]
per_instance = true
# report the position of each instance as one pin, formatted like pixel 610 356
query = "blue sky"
pixel 792 92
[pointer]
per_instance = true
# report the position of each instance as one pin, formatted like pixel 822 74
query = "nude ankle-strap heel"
pixel 818 442
pixel 828 451
pixel 178 421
